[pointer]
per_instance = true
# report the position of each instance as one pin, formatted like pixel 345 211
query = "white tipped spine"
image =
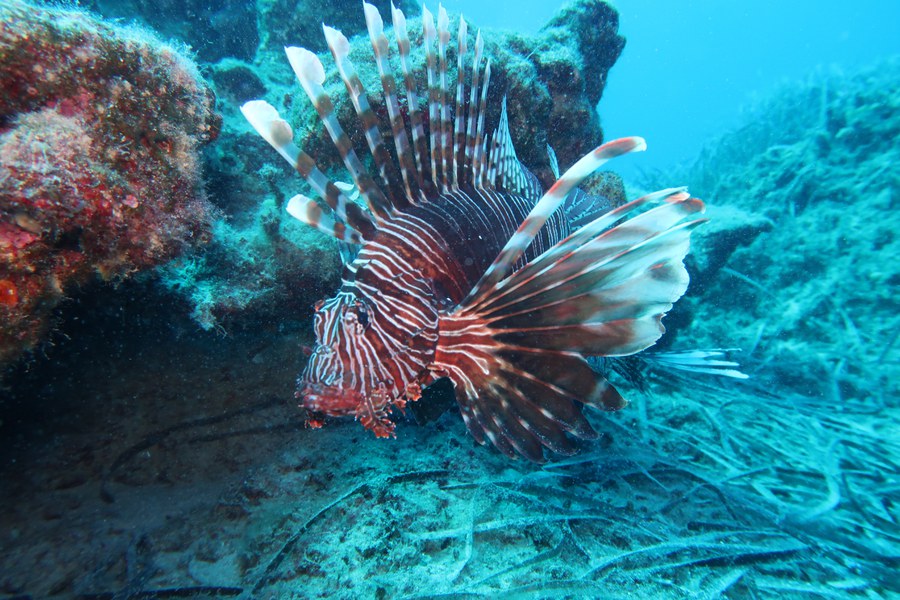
pixel 443 24
pixel 446 148
pixel 337 41
pixel 428 29
pixel 268 123
pixel 373 20
pixel 308 69
pixel 307 210
pixel 399 20
pixel 298 207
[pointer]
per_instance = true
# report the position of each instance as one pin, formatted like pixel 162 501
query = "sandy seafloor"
pixel 143 458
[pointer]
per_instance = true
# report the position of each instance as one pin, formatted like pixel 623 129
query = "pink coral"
pixel 100 132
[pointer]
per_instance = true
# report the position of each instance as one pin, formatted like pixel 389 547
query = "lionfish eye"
pixel 362 314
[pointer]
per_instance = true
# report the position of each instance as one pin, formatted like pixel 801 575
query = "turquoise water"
pixel 157 296
pixel 693 69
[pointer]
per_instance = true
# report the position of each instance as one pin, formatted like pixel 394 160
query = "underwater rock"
pixel 99 159
pixel 728 229
pixel 236 81
pixel 814 295
pixel 606 184
pixel 263 268
pixel 215 29
pixel 574 53
pixel 299 22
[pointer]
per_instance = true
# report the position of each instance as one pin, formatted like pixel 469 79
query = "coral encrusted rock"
pixel 299 22
pixel 214 29
pixel 100 134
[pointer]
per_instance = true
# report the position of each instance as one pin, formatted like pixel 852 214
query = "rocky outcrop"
pixel 810 290
pixel 100 169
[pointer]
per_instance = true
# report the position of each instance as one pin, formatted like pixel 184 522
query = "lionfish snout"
pixel 332 400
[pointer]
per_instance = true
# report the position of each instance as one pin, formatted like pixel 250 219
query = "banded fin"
pixel 307 210
pixel 545 207
pixel 438 154
pixel 420 143
pixel 429 35
pixel 506 171
pixel 446 150
pixel 389 85
pixel 467 163
pixel 520 400
pixel 479 157
pixel 278 133
pixel 340 51
pixel 311 75
pixel 515 352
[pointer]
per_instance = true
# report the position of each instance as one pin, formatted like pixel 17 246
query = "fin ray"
pixel 545 207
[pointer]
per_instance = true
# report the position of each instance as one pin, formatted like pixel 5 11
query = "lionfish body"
pixel 465 268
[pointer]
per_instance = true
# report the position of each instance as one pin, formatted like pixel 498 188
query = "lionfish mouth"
pixel 328 400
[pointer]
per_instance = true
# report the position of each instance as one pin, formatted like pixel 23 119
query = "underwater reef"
pixel 100 167
pixel 146 458
pixel 259 263
pixel 807 194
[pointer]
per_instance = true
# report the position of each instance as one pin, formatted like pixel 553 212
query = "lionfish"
pixel 464 267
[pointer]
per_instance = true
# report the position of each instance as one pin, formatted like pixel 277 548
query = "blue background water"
pixel 691 68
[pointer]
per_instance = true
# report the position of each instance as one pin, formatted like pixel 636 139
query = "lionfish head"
pixel 351 372
pixel 334 381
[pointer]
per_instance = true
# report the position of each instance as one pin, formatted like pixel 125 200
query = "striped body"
pixel 418 267
pixel 465 268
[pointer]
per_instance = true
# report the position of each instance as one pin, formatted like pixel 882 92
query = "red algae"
pixel 9 295
pixel 100 137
